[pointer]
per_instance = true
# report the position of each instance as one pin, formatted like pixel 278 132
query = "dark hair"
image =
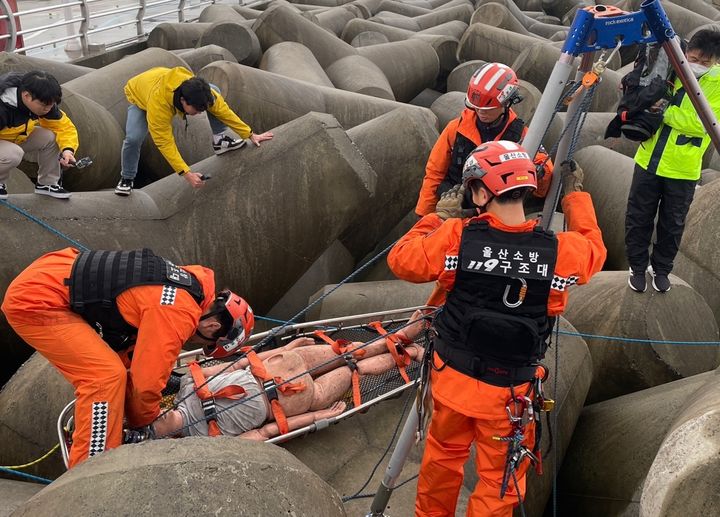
pixel 512 196
pixel 217 309
pixel 196 92
pixel 707 41
pixel 41 86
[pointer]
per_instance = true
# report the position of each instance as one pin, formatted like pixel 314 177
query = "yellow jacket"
pixel 153 92
pixel 17 122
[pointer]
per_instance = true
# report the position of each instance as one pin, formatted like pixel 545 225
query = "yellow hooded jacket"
pixel 153 92
pixel 17 122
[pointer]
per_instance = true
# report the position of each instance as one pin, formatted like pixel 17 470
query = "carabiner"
pixel 521 294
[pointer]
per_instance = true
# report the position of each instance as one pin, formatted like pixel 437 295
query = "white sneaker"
pixel 3 191
pixel 227 143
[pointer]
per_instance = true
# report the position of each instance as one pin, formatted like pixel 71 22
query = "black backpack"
pixel 650 81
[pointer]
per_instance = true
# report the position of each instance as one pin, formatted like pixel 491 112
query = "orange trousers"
pixel 447 449
pixel 94 369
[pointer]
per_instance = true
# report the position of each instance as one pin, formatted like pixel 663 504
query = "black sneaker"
pixel 661 282
pixel 55 191
pixel 637 281
pixel 3 191
pixel 227 143
pixel 124 187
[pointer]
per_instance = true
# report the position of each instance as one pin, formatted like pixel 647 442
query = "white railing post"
pixel 72 45
pixel 181 11
pixel 12 29
pixel 84 26
pixel 141 17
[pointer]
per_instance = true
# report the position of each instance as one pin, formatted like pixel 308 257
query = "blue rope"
pixel 28 476
pixel 44 225
pixel 636 340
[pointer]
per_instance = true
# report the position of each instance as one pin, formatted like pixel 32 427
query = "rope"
pixel 357 495
pixel 637 340
pixel 48 453
pixel 44 225
pixel 28 476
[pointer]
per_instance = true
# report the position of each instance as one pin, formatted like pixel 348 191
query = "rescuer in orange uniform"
pixel 488 116
pixel 113 323
pixel 503 280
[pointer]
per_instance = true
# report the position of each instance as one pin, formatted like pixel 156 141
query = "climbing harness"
pixel 350 354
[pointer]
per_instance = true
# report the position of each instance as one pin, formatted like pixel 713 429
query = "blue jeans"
pixel 136 129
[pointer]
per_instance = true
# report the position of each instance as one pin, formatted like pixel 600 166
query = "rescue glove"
pixel 450 204
pixel 572 177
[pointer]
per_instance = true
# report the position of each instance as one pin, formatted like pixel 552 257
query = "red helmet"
pixel 501 166
pixel 240 331
pixel 492 86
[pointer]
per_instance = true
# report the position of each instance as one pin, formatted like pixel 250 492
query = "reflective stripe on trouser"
pixel 98 375
pixel 447 449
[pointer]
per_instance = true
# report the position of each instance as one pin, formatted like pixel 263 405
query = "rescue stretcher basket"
pixel 374 389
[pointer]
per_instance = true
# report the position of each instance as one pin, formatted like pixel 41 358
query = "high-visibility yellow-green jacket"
pixel 154 92
pixel 677 147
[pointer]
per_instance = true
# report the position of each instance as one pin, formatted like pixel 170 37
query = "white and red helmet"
pixel 501 165
pixel 243 321
pixel 494 85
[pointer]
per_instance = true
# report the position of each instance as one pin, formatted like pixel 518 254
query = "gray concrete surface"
pixel 227 477
pixel 294 60
pixel 30 404
pixel 609 188
pixel 608 307
pixel 685 475
pixel 63 72
pixel 15 493
pixel 236 37
pixel 265 100
pixel 198 58
pixel 613 447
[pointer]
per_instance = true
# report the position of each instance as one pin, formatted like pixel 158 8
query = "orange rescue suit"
pixel 467 410
pixel 439 160
pixel 108 385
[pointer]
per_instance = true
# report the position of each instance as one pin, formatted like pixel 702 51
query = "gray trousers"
pixel 41 140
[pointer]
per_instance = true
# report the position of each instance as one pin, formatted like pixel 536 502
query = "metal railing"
pixel 82 22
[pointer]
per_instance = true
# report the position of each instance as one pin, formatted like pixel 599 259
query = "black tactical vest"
pixel 462 148
pixel 482 319
pixel 98 277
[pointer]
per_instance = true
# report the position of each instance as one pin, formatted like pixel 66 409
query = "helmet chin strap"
pixel 200 334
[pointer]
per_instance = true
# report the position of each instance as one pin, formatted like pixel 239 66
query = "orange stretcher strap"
pixel 345 348
pixel 271 384
pixel 396 348
pixel 207 397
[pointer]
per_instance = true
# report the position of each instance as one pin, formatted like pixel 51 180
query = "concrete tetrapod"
pixel 30 404
pixel 294 60
pixel 263 99
pixel 574 373
pixel 685 474
pixel 198 58
pixel 91 120
pixel 365 297
pixel 335 18
pixel 174 36
pixel 63 72
pixel 238 38
pixel 534 26
pixel 443 38
pixel 367 38
pixel 345 68
pixel 559 8
pixel 15 493
pixel 608 175
pixel 608 307
pixel 106 87
pixel 400 166
pixel 613 446
pixel 310 159
pixel 497 15
pixel 698 260
pixel 425 21
pixel 225 475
